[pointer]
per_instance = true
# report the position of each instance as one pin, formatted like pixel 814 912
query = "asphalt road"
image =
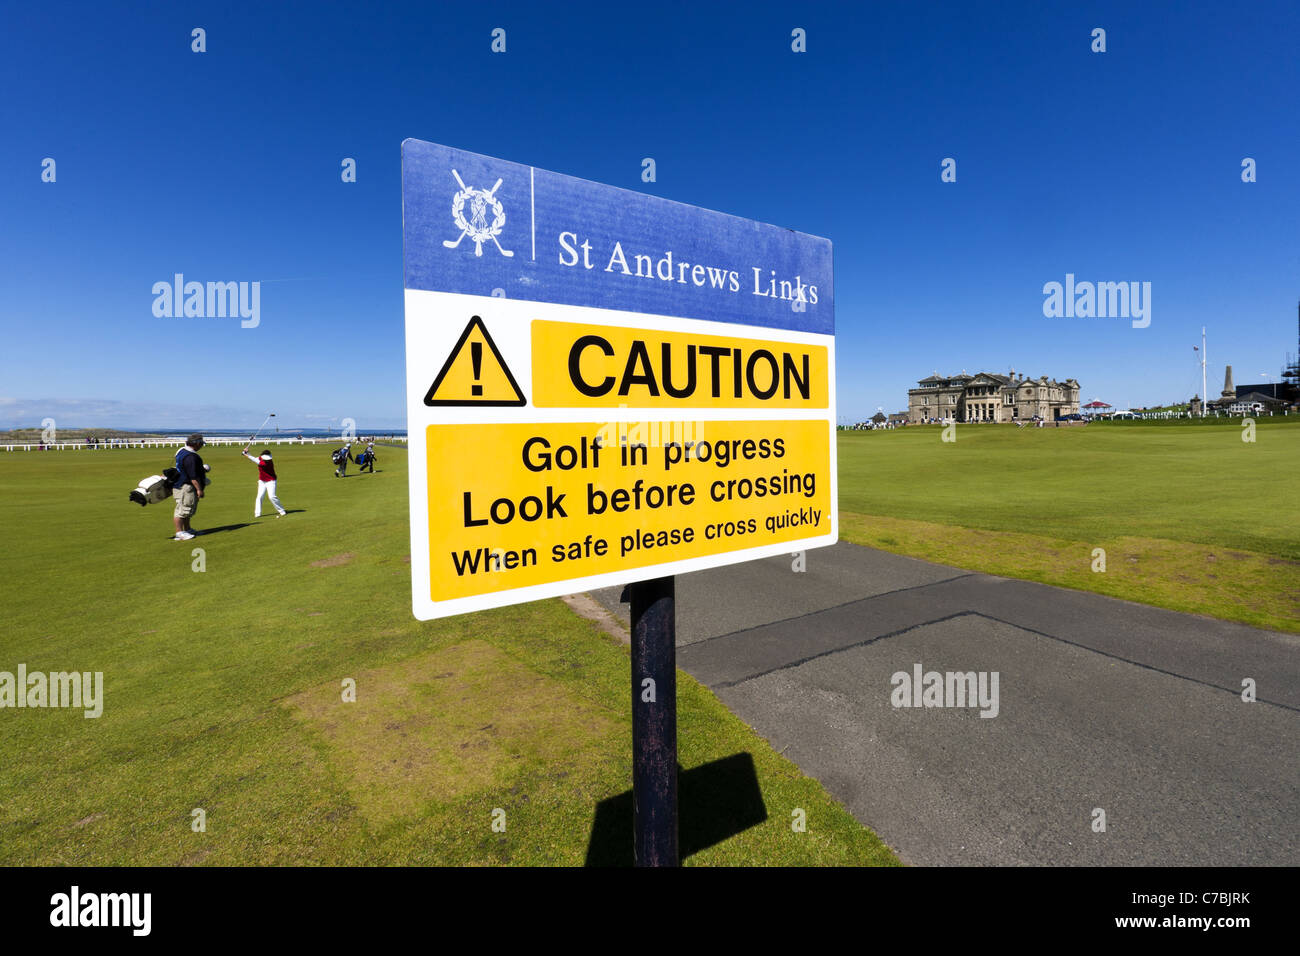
pixel 1101 705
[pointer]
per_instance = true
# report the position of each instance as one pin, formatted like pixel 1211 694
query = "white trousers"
pixel 267 488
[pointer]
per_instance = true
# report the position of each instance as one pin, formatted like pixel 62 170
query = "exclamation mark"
pixel 476 356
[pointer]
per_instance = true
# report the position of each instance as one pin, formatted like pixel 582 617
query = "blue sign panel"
pixel 473 224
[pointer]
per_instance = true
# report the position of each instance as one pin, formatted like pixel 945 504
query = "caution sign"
pixel 656 394
pixel 467 379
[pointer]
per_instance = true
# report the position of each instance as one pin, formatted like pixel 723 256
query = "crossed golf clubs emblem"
pixel 477 227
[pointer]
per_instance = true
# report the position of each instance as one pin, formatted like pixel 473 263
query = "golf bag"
pixel 158 488
pixel 337 457
pixel 152 490
pixel 362 458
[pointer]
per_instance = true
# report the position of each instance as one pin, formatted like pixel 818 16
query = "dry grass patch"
pixel 433 728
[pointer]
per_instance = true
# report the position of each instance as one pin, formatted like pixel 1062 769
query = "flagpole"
pixel 1205 397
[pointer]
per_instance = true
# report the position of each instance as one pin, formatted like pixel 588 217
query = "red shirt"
pixel 265 468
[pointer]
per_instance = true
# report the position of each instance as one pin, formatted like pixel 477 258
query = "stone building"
pixel 987 397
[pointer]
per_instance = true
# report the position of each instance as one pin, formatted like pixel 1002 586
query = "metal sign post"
pixel 654 721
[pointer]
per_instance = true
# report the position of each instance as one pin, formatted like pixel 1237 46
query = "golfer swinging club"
pixel 265 482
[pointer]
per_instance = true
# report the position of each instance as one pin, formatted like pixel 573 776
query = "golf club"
pixel 260 427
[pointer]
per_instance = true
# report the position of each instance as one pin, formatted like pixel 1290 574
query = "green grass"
pixel 1192 519
pixel 222 690
pixel 223 687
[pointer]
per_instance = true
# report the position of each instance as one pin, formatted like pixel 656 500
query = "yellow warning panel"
pixel 587 366
pixel 474 373
pixel 514 505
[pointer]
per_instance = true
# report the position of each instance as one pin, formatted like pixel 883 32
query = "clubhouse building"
pixel 986 397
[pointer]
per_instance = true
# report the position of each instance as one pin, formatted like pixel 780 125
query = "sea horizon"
pixel 218 432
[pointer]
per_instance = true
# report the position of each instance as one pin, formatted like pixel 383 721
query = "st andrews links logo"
pixel 477 226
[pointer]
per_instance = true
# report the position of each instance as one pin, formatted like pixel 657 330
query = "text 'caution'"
pixel 589 366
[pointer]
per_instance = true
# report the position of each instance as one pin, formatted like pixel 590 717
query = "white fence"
pixel 177 442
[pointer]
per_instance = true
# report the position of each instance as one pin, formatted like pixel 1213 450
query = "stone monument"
pixel 1229 394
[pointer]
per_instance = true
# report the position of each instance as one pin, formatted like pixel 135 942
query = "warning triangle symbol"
pixel 474 373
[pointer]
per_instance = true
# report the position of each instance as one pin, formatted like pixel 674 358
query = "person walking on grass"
pixel 188 487
pixel 369 456
pixel 345 456
pixel 265 482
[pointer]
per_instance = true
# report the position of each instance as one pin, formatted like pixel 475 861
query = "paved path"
pixel 1101 704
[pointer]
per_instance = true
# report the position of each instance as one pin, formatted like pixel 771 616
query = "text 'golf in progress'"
pixel 554 502
pixel 594 396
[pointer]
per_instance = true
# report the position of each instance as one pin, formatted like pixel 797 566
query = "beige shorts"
pixel 187 501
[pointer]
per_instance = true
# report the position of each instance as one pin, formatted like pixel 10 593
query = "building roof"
pixel 1004 381
pixel 1271 389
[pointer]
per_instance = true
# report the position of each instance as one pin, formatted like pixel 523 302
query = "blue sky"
pixel 1122 166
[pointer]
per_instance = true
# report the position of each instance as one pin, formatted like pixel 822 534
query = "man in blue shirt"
pixel 188 488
